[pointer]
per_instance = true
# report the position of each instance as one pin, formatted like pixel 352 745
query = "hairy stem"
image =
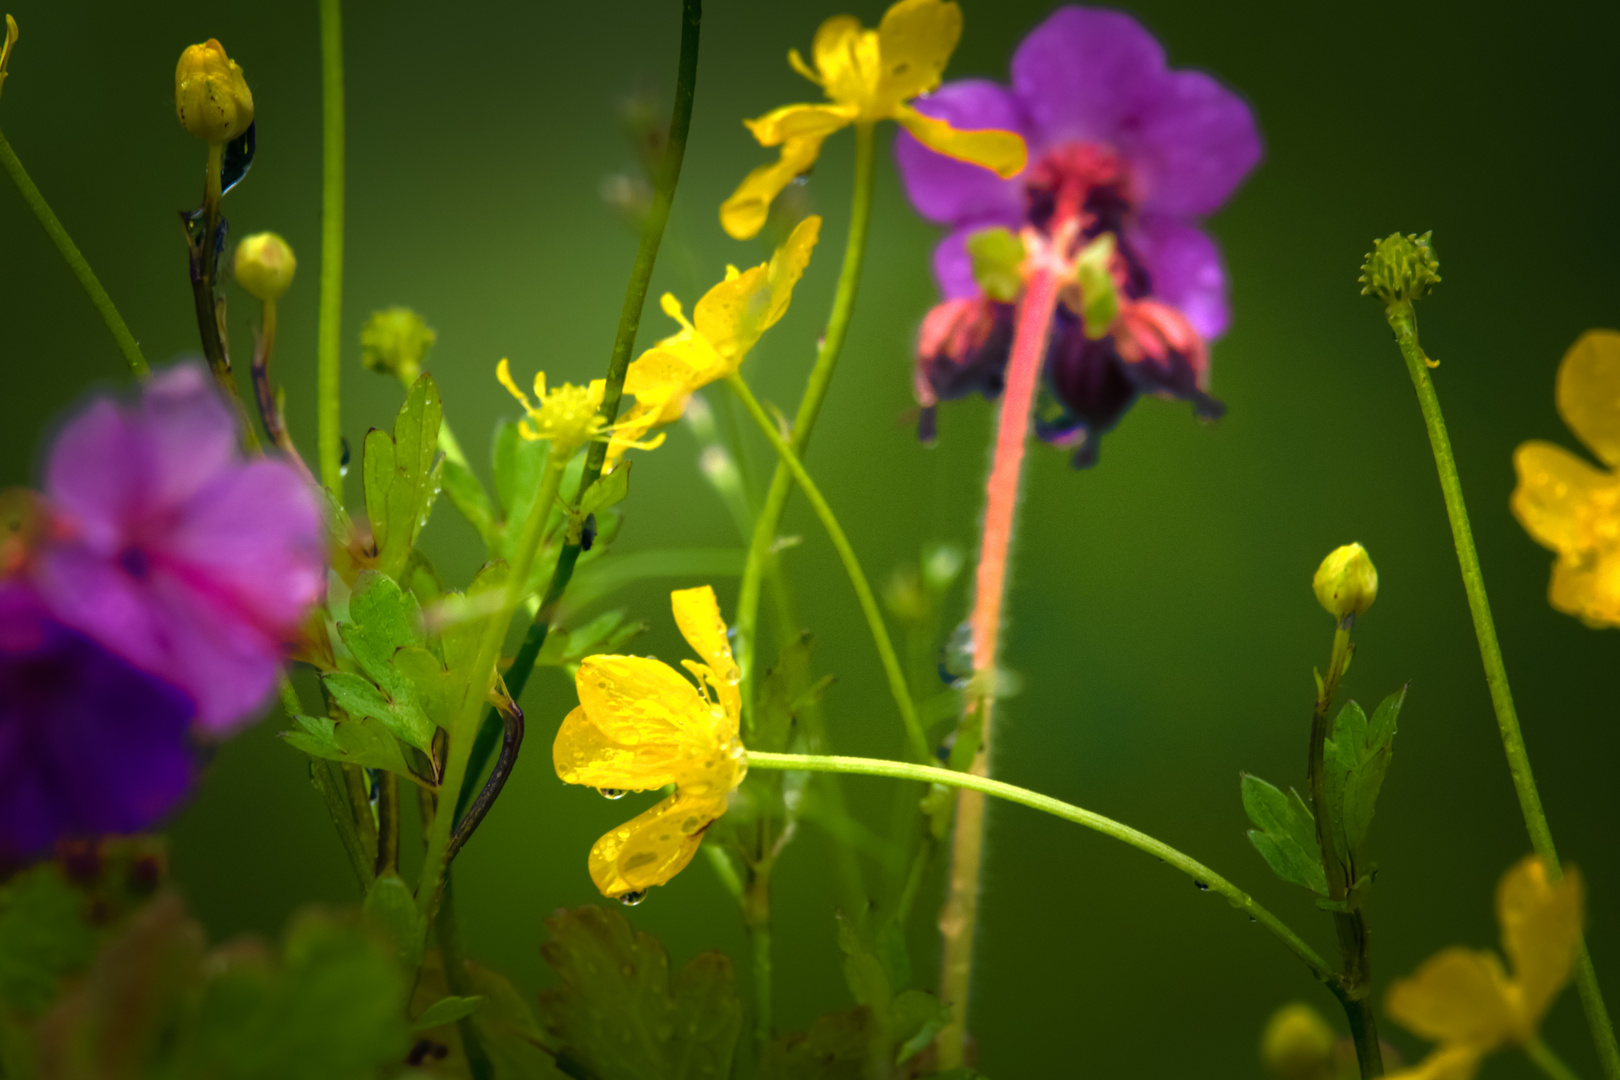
pixel 75 260
pixel 1403 321
pixel 329 340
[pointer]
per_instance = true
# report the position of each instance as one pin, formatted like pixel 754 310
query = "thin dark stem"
pixel 203 249
pixel 387 823
pixel 624 344
pixel 511 743
pixel 264 391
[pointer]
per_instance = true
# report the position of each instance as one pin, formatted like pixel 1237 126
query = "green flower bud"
pixel 1298 1044
pixel 1346 583
pixel 265 266
pixel 395 341
pixel 1400 268
pixel 210 94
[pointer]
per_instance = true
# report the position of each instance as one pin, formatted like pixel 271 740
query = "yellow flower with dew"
pixel 569 416
pixel 1465 1001
pixel 6 46
pixel 640 725
pixel 211 96
pixel 725 324
pixel 869 75
pixel 1568 505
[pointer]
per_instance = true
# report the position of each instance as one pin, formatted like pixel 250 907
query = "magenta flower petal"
pixel 1185 266
pixel 945 190
pixel 953 267
pixel 97 473
pixel 89 744
pixel 1194 144
pixel 1084 74
pixel 192 436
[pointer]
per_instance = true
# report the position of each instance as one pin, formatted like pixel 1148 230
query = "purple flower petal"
pixel 97 473
pixel 1185 267
pixel 1194 144
pixel 1084 74
pixel 948 191
pixel 190 430
pixel 953 266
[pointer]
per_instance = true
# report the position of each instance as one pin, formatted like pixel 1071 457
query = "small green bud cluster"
pixel 1400 268
pixel 395 341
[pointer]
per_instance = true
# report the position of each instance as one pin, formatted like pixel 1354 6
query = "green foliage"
pixel 619 1015
pixel 501 1019
pixel 1285 834
pixel 596 580
pixel 998 262
pixel 383 622
pixel 519 464
pixel 836 1047
pixel 607 633
pixel 390 910
pixel 357 740
pixel 447 1010
pixel 467 494
pixel 401 481
pixel 1099 299
pixel 44 935
pixel 878 970
pixel 1355 760
pixel 608 490
pixel 1400 268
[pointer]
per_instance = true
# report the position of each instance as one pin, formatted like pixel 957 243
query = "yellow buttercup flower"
pixel 640 725
pixel 1566 504
pixel 568 416
pixel 725 324
pixel 869 75
pixel 1465 1001
pixel 6 45
pixel 211 95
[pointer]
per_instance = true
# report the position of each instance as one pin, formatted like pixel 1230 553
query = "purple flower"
pixel 89 744
pixel 174 553
pixel 1145 150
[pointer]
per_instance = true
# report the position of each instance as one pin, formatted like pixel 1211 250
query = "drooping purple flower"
pixel 1150 150
pixel 89 743
pixel 172 551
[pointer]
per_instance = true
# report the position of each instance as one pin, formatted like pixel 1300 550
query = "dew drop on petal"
pixel 610 792
pixel 631 899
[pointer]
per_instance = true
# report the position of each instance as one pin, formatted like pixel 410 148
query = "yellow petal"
pixel 1589 392
pixel 1588 587
pixel 653 847
pixel 663 377
pixel 697 613
pixel 798 122
pixel 640 724
pixel 732 315
pixel 743 215
pixel 1541 929
pixel 1002 152
pixel 1558 494
pixel 915 40
pixel 838 50
pixel 1457 996
pixel 585 753
pixel 1446 1063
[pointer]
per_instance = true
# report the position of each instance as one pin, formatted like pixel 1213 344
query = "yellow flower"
pixel 6 45
pixel 210 94
pixel 1347 582
pixel 1566 504
pixel 640 725
pixel 569 416
pixel 725 324
pixel 869 75
pixel 1465 1001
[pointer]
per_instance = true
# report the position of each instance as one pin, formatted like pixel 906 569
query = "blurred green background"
pixel 1162 614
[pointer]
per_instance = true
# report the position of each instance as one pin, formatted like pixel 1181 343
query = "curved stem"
pixel 928 774
pixel 203 249
pixel 1403 322
pixel 815 391
pixel 1547 1061
pixel 264 391
pixel 75 260
pixel 846 554
pixel 329 342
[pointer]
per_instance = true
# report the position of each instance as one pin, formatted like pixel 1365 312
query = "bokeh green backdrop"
pixel 1162 615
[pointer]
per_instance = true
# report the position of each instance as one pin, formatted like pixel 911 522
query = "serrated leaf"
pixel 447 1010
pixel 863 971
pixel 620 1015
pixel 1356 760
pixel 916 1017
pixel 836 1047
pixel 359 740
pixel 401 480
pixel 43 937
pixel 390 908
pixel 382 622
pixel 467 495
pixel 608 490
pixel 1285 835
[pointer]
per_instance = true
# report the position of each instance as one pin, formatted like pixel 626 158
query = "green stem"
pixel 1201 874
pixel 387 823
pixel 624 344
pixel 1403 322
pixel 846 554
pixel 1547 1061
pixel 75 261
pixel 815 391
pixel 329 342
pixel 448 932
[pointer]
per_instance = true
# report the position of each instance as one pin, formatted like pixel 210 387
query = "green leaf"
pixel 787 691
pixel 998 262
pixel 916 1017
pixel 43 937
pixel 447 1010
pixel 619 1015
pixel 608 490
pixel 604 577
pixel 359 740
pixel 1356 760
pixel 519 463
pixel 467 495
pixel 382 622
pixel 837 1047
pixel 401 481
pixel 1285 835
pixel 390 908
pixel 863 971
pixel 512 1037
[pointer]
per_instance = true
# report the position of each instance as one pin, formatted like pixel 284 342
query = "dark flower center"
pixel 134 562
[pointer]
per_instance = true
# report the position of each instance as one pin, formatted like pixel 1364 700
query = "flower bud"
pixel 1298 1044
pixel 395 341
pixel 1400 268
pixel 210 94
pixel 1346 583
pixel 265 266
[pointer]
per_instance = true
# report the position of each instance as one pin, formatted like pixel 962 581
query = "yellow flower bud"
pixel 1298 1044
pixel 210 94
pixel 265 266
pixel 1347 582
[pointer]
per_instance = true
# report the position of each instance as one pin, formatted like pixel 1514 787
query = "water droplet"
pixel 631 899
pixel 343 460
pixel 610 792
pixel 1253 919
pixel 1203 886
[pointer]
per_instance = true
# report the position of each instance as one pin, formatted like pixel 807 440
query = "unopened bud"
pixel 395 341
pixel 1346 583
pixel 210 94
pixel 1298 1044
pixel 265 266
pixel 1400 268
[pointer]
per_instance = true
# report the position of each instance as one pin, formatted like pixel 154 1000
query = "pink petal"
pixel 1186 269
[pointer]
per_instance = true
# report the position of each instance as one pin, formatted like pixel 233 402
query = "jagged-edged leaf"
pixel 359 740
pixel 916 1017
pixel 390 909
pixel 401 480
pixel 44 936
pixel 609 632
pixel 1285 834
pixel 837 1047
pixel 382 621
pixel 620 1014
pixel 1356 760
